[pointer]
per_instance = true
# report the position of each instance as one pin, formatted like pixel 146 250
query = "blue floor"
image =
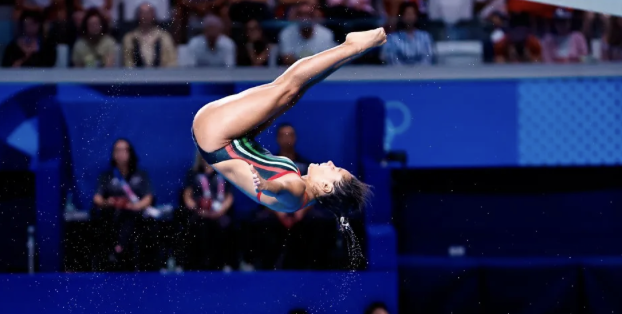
pixel 256 292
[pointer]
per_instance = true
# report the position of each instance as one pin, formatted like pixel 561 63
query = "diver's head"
pixel 337 190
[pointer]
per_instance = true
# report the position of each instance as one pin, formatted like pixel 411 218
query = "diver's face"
pixel 326 175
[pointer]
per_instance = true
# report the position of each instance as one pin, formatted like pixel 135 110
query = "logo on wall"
pixel 397 121
pixel 19 140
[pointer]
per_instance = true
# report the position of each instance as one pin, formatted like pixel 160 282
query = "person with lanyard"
pixel 123 193
pixel 208 200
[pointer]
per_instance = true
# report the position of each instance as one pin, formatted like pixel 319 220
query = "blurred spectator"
pixel 611 46
pixel 190 13
pixel 349 9
pixel 392 7
pixel 50 10
pixel 213 48
pixel 29 48
pixel 409 45
pixel 286 138
pixel 518 44
pixel 124 11
pixel 243 11
pixel 95 48
pixel 496 31
pixel 564 45
pixel 208 201
pixel 80 8
pixel 148 45
pixel 123 193
pixel 255 49
pixel 377 308
pixel 304 38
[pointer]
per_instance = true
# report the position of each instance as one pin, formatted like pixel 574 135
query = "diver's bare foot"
pixel 367 39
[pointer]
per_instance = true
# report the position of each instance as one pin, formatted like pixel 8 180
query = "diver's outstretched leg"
pixel 232 117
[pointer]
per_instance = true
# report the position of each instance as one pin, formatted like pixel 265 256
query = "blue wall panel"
pixel 158 128
pixel 570 121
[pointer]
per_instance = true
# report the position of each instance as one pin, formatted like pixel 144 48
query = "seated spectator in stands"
pixel 304 38
pixel 148 45
pixel 81 7
pixel 496 33
pixel 50 10
pixel 409 45
pixel 29 49
pixel 349 9
pixel 95 48
pixel 243 11
pixel 255 50
pixel 611 46
pixel 518 45
pixel 213 48
pixel 123 193
pixel 208 199
pixel 126 13
pixel 377 308
pixel 392 8
pixel 189 15
pixel 286 138
pixel 564 45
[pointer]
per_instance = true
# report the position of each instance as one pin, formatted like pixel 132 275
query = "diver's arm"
pixel 289 192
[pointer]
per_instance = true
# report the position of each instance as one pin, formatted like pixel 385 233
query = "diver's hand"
pixel 259 182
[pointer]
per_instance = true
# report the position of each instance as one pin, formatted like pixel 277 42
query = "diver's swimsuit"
pixel 268 166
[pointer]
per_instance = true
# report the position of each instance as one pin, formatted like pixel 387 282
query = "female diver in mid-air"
pixel 224 130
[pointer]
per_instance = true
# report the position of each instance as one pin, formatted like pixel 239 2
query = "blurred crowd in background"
pixel 204 233
pixel 259 33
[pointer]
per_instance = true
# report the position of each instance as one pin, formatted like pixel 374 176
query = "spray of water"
pixel 351 277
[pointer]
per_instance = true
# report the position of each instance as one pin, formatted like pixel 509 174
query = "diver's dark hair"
pixel 132 162
pixel 348 196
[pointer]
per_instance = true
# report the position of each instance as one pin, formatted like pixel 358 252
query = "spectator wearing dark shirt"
pixel 208 200
pixel 611 45
pixel 29 48
pixel 123 192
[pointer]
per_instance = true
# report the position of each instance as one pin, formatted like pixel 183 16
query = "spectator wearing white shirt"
pixel 304 38
pixel 213 48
